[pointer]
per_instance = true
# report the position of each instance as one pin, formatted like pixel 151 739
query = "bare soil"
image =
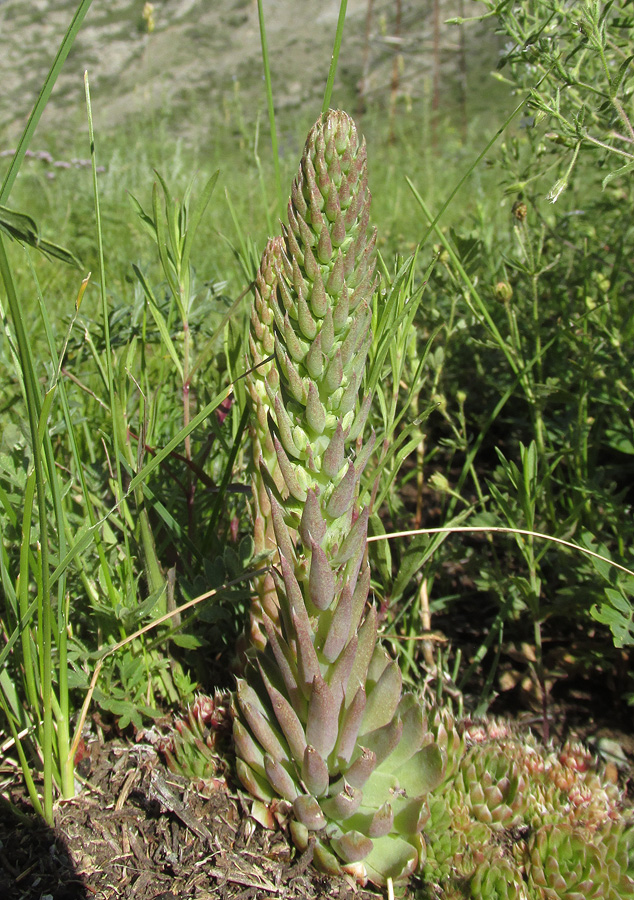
pixel 138 832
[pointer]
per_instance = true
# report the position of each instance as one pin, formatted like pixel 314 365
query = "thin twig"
pixel 487 529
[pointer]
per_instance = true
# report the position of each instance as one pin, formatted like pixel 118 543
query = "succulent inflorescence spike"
pixel 322 723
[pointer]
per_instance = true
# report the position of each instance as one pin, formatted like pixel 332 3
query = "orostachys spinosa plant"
pixel 323 732
pixel 325 737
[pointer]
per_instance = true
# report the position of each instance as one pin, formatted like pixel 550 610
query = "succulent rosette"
pixel 323 731
pixel 515 819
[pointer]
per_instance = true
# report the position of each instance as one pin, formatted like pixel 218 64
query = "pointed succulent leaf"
pixel 300 834
pixel 392 857
pixel 288 473
pixel 314 360
pixel 321 580
pixel 367 641
pixel 312 526
pixel 350 726
pixel 246 748
pixel 309 813
pixel 382 821
pixel 383 699
pixel 355 541
pixel 334 373
pixel 307 324
pixel 359 598
pixel 343 804
pixel 282 535
pixel 322 724
pixel 326 860
pixel 361 417
pixel 339 627
pixel 340 671
pixel 307 662
pixel 285 661
pixel 315 412
pixel 279 779
pixel 384 740
pixel 285 428
pixel 361 769
pixel 422 772
pixel 333 458
pixel 352 846
pixel 341 498
pixel 257 721
pixel 412 735
pixel 288 721
pixel 315 773
pixel 255 784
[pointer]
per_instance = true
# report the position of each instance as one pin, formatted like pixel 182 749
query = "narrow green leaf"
pixel 159 320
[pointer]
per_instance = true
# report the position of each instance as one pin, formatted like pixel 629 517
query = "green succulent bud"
pixel 322 723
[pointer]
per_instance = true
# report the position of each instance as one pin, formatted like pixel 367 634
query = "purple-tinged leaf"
pixel 309 813
pixel 285 663
pixel 324 246
pixel 314 772
pixel 297 195
pixel 334 373
pixel 414 732
pixel 288 473
pixel 382 821
pixel 282 535
pixel 296 350
pixel 352 846
pixel 279 779
pixel 307 662
pixel 311 266
pixel 321 580
pixel 344 803
pixel 257 722
pixel 364 454
pixel 361 769
pixel 341 498
pixel 340 311
pixel 350 726
pixel 335 282
pixel 246 748
pixel 288 720
pixel 315 412
pixel 350 395
pixel 332 207
pixel 318 297
pixel 307 324
pixel 384 740
pixel 358 328
pixel 314 360
pixel 367 636
pixel 322 723
pixel 295 382
pixel 257 786
pixel 340 672
pixel 360 418
pixel 312 525
pixel 333 457
pixel 339 627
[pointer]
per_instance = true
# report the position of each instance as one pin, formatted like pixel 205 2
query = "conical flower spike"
pixel 321 720
pixel 260 364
